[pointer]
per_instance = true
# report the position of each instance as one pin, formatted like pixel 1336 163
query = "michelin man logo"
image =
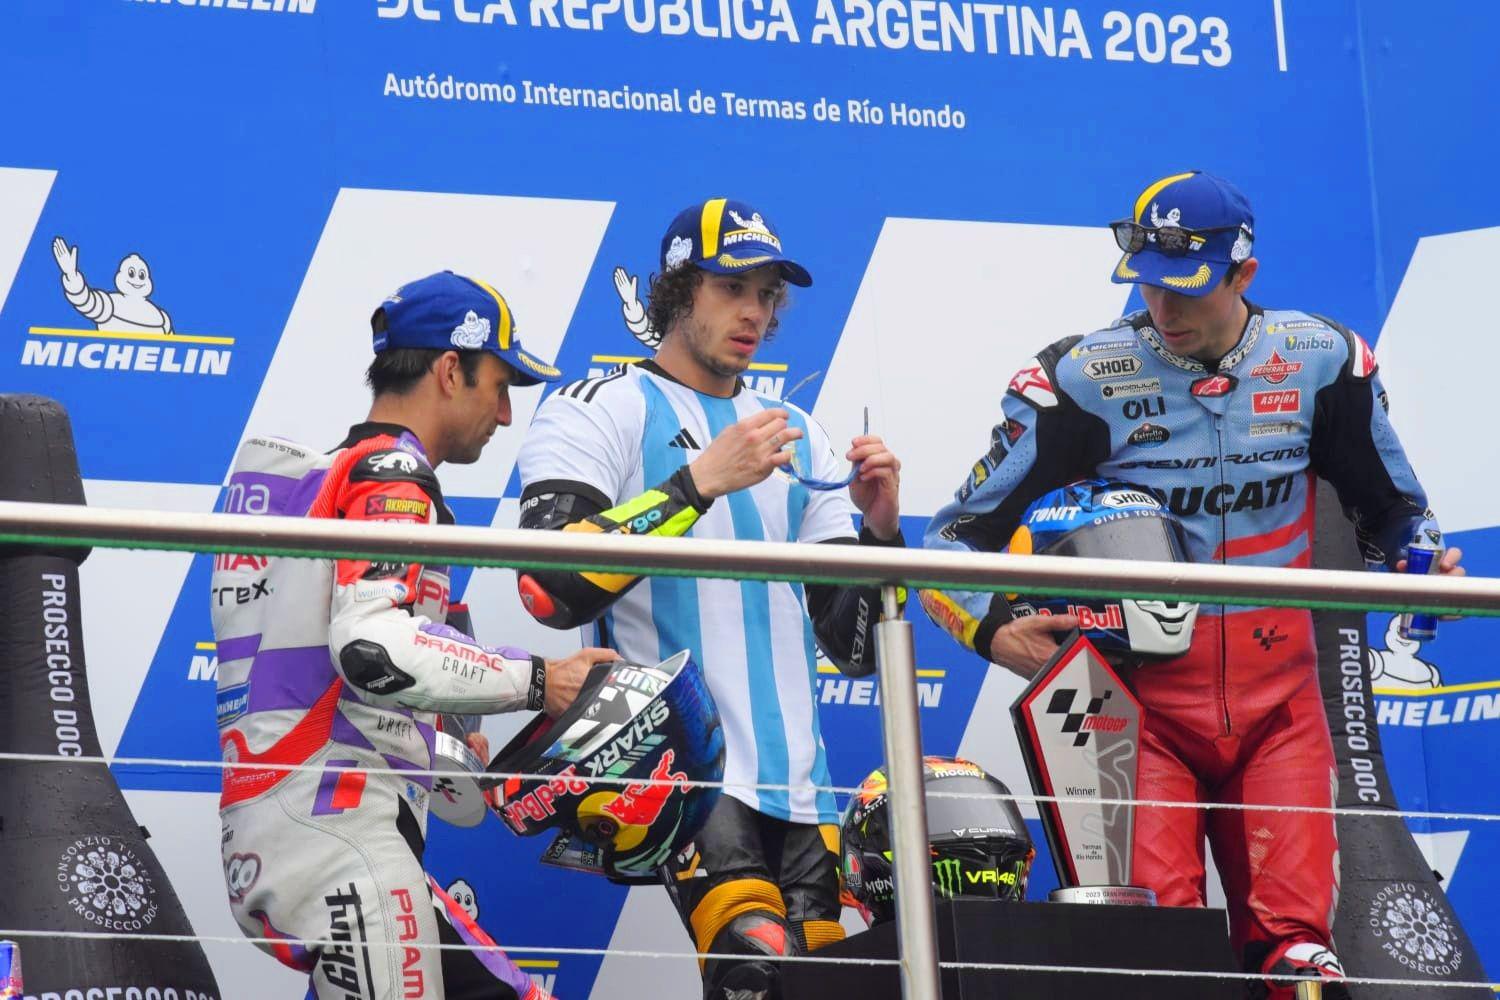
pixel 678 253
pixel 1241 249
pixel 129 308
pixel 1398 665
pixel 627 287
pixel 463 894
pixel 755 223
pixel 473 333
pixel 1174 217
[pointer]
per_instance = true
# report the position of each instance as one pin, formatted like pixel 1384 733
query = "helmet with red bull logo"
pixel 1108 519
pixel 617 775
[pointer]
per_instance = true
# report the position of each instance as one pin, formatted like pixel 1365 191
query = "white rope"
pixel 842 790
pixel 813 959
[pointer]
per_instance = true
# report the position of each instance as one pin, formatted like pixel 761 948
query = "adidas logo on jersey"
pixel 684 440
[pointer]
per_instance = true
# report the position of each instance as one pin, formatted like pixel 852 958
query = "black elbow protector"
pixel 368 667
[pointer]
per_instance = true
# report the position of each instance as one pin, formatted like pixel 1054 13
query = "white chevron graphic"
pixel 22 195
pixel 957 306
pixel 535 251
pixel 1438 355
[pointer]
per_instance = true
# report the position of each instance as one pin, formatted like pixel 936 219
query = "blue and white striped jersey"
pixel 629 431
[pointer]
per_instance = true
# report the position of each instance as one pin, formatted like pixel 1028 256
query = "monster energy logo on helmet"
pixel 947 876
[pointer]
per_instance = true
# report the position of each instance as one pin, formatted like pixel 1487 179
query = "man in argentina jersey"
pixel 679 445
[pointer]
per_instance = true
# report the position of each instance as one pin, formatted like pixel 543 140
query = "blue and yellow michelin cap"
pixel 726 237
pixel 1195 201
pixel 448 311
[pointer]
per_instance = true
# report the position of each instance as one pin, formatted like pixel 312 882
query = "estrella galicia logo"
pixel 1148 435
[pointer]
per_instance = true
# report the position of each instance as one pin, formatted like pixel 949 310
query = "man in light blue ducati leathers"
pixel 1226 411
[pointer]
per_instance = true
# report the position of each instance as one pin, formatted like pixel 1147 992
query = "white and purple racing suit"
pixel 340 667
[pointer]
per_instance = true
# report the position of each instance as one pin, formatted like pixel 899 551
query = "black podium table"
pixel 976 930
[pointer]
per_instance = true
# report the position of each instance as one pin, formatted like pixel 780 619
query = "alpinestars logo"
pixel 106 884
pixel 1092 719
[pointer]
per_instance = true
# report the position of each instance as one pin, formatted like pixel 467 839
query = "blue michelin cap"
pixel 726 237
pixel 448 311
pixel 1221 227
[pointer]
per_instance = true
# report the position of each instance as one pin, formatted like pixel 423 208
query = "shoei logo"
pixel 106 884
pixel 130 332
pixel 1129 498
pixel 473 332
pixel 1103 368
pixel 1413 927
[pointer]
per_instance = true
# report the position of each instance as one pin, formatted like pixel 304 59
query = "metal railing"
pixel 35 525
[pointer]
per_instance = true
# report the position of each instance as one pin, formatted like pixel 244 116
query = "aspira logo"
pixel 130 331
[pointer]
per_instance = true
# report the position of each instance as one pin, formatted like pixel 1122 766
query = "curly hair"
pixel 670 298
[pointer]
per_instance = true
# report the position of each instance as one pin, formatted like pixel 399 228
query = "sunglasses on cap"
pixel 1171 241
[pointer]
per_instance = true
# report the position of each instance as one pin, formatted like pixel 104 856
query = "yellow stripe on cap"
pixel 713 219
pixel 1151 192
pixel 505 324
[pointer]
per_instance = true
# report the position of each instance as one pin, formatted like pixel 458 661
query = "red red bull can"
pixel 11 987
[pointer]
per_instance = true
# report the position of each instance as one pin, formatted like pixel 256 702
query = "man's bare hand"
pixel 566 676
pixel 1447 566
pixel 1025 645
pixel 480 744
pixel 876 491
pixel 744 454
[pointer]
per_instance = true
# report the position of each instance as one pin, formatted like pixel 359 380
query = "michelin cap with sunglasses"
pixel 1187 230
pixel 1217 410
pixel 679 444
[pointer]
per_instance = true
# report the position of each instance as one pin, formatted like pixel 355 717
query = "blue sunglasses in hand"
pixel 796 466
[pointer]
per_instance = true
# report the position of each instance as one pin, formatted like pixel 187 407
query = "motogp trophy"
pixel 1079 729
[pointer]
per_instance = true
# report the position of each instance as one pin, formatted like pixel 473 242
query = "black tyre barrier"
pixel 72 857
pixel 1393 919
